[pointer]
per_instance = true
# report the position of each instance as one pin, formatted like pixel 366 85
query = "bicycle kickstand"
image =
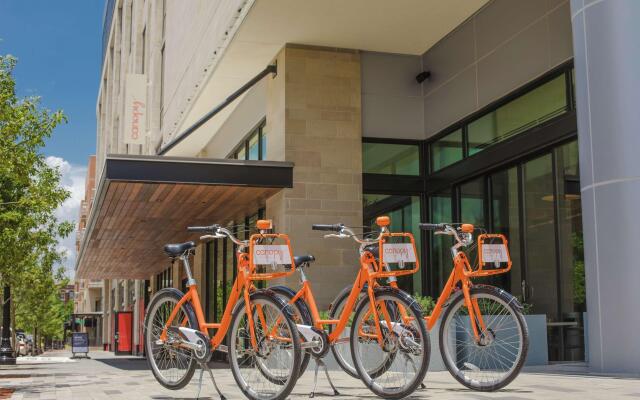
pixel 413 365
pixel 320 363
pixel 205 367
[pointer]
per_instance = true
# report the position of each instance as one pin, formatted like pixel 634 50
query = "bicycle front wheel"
pixel 172 365
pixel 494 359
pixel 394 364
pixel 269 370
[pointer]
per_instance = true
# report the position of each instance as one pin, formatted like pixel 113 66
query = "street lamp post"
pixel 6 351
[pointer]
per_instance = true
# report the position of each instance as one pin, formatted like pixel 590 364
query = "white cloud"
pixel 72 179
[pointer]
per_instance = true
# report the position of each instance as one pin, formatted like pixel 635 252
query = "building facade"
pixel 486 112
pixel 88 306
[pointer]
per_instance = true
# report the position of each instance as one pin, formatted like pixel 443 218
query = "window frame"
pixel 563 69
pixel 258 131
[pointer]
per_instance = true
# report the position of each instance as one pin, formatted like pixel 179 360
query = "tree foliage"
pixel 30 192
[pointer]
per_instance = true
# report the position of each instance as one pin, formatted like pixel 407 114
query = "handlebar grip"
pixel 431 227
pixel 325 227
pixel 206 229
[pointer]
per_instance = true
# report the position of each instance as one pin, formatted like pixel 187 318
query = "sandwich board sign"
pixel 80 344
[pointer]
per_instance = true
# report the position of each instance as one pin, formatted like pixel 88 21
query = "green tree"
pixel 30 192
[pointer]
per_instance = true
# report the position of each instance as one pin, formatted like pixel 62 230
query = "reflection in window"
pixel 533 108
pixel 472 195
pixel 254 148
pixel 572 278
pixel 446 151
pixel 506 220
pixel 404 212
pixel 263 144
pixel 241 154
pixel 441 264
pixel 390 158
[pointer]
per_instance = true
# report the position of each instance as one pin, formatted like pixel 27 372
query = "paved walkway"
pixel 108 377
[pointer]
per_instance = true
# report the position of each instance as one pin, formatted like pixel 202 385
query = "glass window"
pixel 535 107
pixel 506 220
pixel 573 290
pixel 404 212
pixel 254 150
pixel 241 153
pixel 390 158
pixel 540 237
pixel 472 195
pixel 263 144
pixel 446 151
pixel 441 264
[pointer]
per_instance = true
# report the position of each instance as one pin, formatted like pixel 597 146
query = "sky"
pixel 58 45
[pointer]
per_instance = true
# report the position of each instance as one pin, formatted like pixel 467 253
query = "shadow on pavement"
pixel 140 364
pixel 127 364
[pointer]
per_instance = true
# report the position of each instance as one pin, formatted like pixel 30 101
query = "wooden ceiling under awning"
pixel 144 202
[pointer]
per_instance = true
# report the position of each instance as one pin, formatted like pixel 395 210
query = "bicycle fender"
pixel 300 303
pixel 508 297
pixel 380 290
pixel 498 292
pixel 284 307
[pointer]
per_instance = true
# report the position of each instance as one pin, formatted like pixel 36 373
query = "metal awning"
pixel 144 202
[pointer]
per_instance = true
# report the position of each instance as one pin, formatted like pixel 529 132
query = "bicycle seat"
pixel 299 260
pixel 374 249
pixel 174 250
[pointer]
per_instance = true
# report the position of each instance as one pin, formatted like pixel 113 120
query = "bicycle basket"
pixel 493 254
pixel 398 255
pixel 270 256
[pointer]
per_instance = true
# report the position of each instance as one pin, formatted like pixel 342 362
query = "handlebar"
pixel 346 232
pixel 432 227
pixel 204 229
pixel 217 232
pixel 325 227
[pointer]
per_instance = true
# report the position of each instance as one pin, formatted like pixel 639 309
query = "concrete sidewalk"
pixel 105 376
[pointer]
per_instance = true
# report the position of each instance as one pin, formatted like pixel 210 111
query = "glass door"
pixel 570 328
pixel 541 277
pixel 536 205
pixel 505 219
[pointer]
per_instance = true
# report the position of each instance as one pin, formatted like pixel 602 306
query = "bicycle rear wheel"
pixel 270 371
pixel 494 360
pixel 394 368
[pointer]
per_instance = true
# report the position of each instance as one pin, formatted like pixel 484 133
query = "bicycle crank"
pixel 193 340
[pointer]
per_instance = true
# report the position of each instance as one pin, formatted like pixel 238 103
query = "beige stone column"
pixel 314 121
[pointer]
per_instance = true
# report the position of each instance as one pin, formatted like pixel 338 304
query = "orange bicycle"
pixel 483 336
pixel 264 347
pixel 388 338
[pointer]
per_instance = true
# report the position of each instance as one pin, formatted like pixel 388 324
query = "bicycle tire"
pixel 268 297
pixel 300 307
pixel 392 295
pixel 507 301
pixel 173 295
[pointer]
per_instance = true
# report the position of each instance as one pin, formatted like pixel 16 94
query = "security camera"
pixel 423 76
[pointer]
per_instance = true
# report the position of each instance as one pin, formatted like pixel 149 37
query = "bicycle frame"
pixel 368 275
pixel 461 273
pixel 243 286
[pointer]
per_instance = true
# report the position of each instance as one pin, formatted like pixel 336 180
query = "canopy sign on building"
pixel 135 109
